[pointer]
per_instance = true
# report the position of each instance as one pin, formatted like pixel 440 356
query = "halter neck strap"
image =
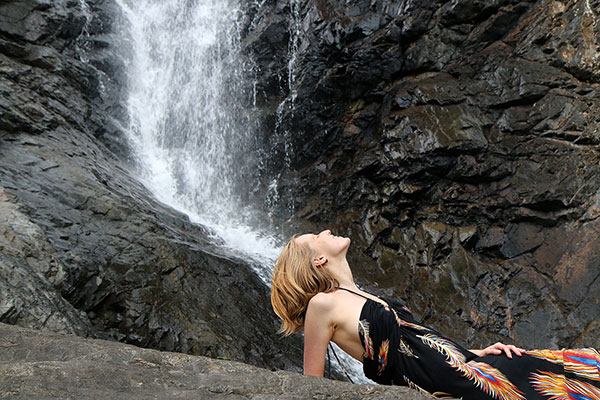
pixel 352 291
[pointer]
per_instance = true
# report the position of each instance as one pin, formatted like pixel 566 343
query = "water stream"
pixel 191 129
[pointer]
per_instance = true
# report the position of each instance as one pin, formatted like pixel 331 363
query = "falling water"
pixel 191 130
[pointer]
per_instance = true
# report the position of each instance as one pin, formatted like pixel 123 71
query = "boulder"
pixel 37 365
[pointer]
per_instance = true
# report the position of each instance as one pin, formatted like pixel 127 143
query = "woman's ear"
pixel 320 261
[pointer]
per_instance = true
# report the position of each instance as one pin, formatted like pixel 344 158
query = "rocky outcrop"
pixel 36 365
pixel 456 143
pixel 84 247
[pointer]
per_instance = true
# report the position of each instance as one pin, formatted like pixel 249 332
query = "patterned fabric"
pixel 559 387
pixel 582 362
pixel 400 351
pixel 484 376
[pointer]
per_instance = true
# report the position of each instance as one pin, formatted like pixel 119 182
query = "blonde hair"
pixel 295 281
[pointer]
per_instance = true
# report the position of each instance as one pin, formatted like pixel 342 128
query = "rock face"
pixel 456 143
pixel 36 365
pixel 84 248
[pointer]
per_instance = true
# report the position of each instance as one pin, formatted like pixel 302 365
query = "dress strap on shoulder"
pixel 352 291
pixel 383 302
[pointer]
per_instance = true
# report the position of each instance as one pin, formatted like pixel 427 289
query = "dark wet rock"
pixel 456 143
pixel 115 263
pixel 84 247
pixel 38 365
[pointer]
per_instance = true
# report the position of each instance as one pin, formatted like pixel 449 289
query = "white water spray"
pixel 190 128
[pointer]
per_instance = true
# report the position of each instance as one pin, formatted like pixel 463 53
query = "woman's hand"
pixel 499 348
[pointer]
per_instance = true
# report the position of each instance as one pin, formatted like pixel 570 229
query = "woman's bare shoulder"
pixel 322 302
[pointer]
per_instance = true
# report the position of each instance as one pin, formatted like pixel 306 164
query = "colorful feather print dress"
pixel 399 351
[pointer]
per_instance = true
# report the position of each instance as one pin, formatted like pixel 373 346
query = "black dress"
pixel 399 351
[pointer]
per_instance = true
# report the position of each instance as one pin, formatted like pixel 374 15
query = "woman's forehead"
pixel 303 238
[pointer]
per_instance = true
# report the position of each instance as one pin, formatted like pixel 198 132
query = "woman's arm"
pixel 318 330
pixel 498 348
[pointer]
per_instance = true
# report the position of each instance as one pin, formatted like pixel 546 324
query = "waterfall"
pixel 191 130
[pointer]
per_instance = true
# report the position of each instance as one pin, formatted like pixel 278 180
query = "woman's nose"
pixel 326 232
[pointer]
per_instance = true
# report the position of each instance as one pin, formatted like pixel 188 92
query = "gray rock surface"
pixel 37 365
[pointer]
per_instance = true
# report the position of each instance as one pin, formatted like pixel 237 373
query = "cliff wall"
pixel 456 143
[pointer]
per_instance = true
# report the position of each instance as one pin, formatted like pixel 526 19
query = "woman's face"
pixel 325 243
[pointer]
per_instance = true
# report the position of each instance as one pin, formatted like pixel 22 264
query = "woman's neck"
pixel 343 275
pixel 348 285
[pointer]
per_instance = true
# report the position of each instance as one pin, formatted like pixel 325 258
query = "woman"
pixel 313 289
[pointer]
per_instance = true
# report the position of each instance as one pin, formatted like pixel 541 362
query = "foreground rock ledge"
pixel 41 365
